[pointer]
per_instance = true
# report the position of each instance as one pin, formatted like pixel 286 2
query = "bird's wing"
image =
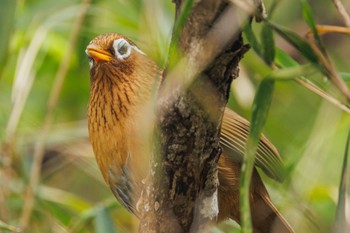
pixel 234 134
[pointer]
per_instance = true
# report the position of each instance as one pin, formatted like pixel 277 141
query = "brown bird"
pixel 122 80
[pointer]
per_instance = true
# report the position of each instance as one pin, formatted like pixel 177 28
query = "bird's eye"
pixel 122 48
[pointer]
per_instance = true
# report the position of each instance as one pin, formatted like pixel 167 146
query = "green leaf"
pixel 103 221
pixel 174 56
pixel 298 42
pixel 282 59
pixel 309 19
pixel 252 40
pixel 261 105
pixel 340 222
pixel 268 44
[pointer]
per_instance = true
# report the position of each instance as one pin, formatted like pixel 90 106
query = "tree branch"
pixel 180 194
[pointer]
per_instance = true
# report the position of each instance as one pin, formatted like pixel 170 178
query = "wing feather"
pixel 234 134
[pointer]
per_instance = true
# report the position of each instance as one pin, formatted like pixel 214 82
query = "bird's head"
pixel 120 71
pixel 114 55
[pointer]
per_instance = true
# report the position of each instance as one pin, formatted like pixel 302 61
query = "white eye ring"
pixel 122 48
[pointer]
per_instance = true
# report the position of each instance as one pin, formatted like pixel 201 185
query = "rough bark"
pixel 180 194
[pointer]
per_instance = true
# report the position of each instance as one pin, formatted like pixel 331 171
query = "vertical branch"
pixel 180 194
pixel 52 103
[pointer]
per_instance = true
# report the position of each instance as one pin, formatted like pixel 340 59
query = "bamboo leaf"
pixel 282 59
pixel 309 19
pixel 103 221
pixel 252 40
pixel 268 44
pixel 261 105
pixel 298 42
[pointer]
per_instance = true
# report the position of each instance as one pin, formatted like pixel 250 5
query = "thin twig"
pixel 23 82
pixel 342 11
pixel 52 103
pixel 332 74
pixel 329 68
pixel 326 29
pixel 312 87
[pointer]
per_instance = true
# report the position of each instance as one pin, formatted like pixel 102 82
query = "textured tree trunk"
pixel 180 194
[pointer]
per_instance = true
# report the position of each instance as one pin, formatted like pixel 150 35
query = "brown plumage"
pixel 122 80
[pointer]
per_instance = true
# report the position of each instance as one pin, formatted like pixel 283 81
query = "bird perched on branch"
pixel 122 80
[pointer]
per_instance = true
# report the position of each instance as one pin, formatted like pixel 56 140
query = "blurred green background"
pixel 44 89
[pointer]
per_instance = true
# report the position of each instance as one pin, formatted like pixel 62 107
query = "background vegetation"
pixel 44 88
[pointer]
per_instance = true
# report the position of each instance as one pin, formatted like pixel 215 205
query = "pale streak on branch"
pixel 342 11
pixel 203 51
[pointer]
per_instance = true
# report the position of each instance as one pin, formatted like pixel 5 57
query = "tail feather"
pixel 266 218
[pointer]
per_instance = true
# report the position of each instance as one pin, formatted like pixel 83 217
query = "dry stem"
pixel 52 103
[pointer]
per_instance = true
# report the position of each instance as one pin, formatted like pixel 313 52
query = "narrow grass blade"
pixel 261 107
pixel 340 222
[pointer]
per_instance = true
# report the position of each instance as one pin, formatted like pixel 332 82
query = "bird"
pixel 123 80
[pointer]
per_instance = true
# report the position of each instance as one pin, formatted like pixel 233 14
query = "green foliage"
pixel 71 197
pixel 287 69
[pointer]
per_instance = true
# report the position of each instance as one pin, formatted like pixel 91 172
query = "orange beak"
pixel 97 53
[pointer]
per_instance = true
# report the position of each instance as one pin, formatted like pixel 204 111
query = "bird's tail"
pixel 266 218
